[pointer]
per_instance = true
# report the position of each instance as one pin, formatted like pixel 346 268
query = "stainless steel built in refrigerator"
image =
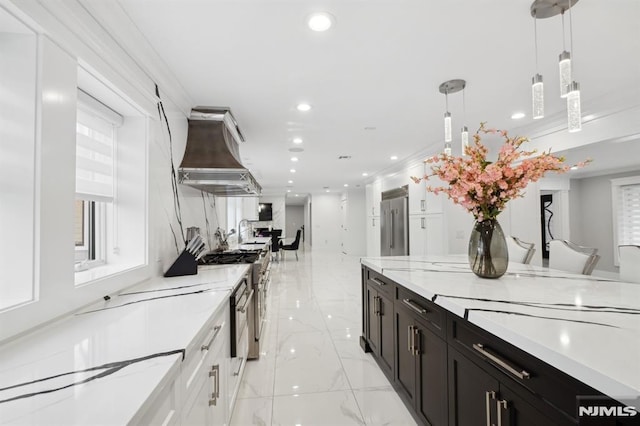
pixel 394 223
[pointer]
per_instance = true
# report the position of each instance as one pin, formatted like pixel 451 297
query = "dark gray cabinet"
pixel 378 313
pixel 421 366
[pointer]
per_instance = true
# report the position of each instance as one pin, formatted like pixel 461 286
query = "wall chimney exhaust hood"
pixel 211 161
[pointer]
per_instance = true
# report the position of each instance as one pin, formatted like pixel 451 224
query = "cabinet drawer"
pixel 540 383
pixel 382 283
pixel 427 312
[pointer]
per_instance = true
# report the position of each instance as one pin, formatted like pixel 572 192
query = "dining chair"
pixel 570 257
pixel 275 242
pixel 629 256
pixel 293 246
pixel 519 251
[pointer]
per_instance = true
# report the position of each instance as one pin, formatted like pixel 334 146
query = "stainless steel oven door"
pixel 240 304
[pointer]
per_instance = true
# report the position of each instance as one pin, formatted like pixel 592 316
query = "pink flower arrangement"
pixel 484 187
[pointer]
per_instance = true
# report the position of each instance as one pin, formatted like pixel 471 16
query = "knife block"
pixel 185 264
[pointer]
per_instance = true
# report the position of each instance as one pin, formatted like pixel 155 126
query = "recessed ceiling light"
pixel 517 115
pixel 292 170
pixel 320 21
pixel 297 141
pixel 574 167
pixel 288 190
pixel 297 195
pixel 346 185
pixel 290 181
pixel 327 190
pixel 303 107
pixel 394 157
pixel 365 174
pixel 294 158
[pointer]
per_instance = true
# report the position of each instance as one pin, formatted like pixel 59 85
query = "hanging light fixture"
pixel 569 88
pixel 537 86
pixel 464 134
pixel 451 86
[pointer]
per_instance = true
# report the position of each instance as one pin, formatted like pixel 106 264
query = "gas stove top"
pixel 229 257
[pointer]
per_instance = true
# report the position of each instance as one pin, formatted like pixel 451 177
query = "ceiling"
pixel 372 79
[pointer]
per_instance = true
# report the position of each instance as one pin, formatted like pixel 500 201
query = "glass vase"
pixel 488 254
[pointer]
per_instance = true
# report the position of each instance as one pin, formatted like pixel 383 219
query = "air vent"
pixel 344 157
pixel 296 149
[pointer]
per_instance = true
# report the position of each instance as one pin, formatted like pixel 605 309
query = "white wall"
pixel 295 220
pixel 325 217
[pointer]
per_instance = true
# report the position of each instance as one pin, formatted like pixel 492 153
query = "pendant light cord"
pixel 446 99
pixel 573 56
pixel 535 40
pixel 464 108
pixel 564 46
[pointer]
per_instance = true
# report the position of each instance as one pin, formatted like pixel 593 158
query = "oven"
pixel 241 315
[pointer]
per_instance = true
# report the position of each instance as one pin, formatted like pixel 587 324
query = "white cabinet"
pixel 373 196
pixel 373 236
pixel 164 410
pixel 204 374
pixel 417 191
pixel 427 235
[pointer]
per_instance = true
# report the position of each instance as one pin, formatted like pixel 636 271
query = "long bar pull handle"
pixel 377 281
pixel 392 230
pixel 518 372
pixel 423 224
pixel 215 334
pixel 488 396
pixel 500 405
pixel 215 373
pixel 410 338
pixel 376 304
pixel 423 205
pixel 418 309
pixel 244 308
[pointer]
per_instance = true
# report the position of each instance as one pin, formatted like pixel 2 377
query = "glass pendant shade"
pixel 447 148
pixel 447 126
pixel 565 73
pixel 464 139
pixel 537 96
pixel 573 107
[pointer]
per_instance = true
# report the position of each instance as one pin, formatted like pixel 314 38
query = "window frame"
pixel 616 185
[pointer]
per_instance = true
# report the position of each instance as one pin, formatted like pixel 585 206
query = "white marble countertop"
pixel 586 326
pixel 102 364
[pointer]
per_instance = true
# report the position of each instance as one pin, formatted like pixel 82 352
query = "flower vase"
pixel 488 254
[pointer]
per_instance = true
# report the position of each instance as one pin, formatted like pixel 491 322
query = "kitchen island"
pixel 138 357
pixel 538 338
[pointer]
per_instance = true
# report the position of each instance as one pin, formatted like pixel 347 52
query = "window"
pixel 626 212
pixel 95 170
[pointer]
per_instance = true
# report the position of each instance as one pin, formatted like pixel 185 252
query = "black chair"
pixel 275 241
pixel 294 245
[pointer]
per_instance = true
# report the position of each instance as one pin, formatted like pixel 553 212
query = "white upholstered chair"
pixel 519 251
pixel 629 263
pixel 570 257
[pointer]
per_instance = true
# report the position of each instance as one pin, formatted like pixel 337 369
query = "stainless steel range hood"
pixel 211 159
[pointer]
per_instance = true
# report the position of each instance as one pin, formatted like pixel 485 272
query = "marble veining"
pixel 104 371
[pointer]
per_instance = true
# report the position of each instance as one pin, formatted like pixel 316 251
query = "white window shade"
pixel 629 214
pixel 94 157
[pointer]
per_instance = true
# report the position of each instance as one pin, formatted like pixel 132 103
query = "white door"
pixel 343 225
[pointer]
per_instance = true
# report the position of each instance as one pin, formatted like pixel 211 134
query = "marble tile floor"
pixel 312 370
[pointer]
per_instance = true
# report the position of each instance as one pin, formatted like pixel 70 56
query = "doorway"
pixel 546 222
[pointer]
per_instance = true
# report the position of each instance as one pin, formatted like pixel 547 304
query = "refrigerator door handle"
pixel 392 231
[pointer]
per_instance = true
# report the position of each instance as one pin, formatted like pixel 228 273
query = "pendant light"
pixel 464 134
pixel 574 115
pixel 569 88
pixel 537 86
pixel 451 86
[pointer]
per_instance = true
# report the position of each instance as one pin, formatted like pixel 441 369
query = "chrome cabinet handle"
pixel 392 231
pixel 215 373
pixel 423 223
pixel 373 221
pixel 416 347
pixel 410 338
pixel 518 372
pixel 488 396
pixel 208 345
pixel 377 281
pixel 500 405
pixel 237 373
pixel 423 205
pixel 418 309
pixel 376 310
pixel 244 307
